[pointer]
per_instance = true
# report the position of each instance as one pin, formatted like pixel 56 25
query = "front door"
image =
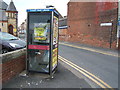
pixel 10 29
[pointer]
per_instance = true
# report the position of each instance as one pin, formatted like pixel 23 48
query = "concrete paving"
pixel 63 78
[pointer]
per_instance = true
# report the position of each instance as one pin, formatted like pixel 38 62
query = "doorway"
pixel 10 29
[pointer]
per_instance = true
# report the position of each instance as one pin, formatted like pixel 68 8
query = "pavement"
pixel 63 78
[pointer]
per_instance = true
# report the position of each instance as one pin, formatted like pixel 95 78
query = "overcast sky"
pixel 22 5
pixel 60 5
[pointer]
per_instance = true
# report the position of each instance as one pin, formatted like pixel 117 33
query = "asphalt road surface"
pixel 102 66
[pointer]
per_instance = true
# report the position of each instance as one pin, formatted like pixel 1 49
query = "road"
pixel 102 66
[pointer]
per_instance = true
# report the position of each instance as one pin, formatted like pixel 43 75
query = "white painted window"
pixel 11 15
pixel 8 14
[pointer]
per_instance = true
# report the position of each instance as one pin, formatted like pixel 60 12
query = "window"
pixel 8 14
pixel 15 15
pixel 39 27
pixel 2 24
pixel 12 15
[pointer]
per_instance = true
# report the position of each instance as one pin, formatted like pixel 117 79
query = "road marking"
pixel 92 50
pixel 89 75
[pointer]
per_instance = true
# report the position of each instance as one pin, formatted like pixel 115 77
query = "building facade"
pixel 8 18
pixel 86 23
pixel 63 28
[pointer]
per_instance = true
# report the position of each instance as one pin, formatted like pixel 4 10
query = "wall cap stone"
pixel 12 55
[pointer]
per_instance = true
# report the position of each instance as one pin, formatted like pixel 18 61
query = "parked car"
pixel 9 42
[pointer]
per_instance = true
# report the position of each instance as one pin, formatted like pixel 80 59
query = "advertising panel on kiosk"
pixel 42 40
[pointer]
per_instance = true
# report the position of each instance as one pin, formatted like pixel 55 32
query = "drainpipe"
pixel 118 26
pixel 111 30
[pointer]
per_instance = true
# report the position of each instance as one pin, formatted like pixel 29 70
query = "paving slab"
pixel 63 78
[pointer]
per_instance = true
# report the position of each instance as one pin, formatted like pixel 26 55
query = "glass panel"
pixel 39 28
pixel 39 60
pixel 41 32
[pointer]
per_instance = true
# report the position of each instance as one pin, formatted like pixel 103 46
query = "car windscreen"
pixel 6 36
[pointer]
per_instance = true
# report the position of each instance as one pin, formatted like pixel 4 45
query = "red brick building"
pixel 84 23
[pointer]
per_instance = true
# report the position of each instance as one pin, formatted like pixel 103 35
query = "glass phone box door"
pixel 39 41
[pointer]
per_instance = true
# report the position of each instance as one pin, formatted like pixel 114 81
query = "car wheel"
pixel 4 51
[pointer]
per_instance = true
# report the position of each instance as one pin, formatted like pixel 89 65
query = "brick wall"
pixel 12 64
pixel 62 34
pixel 84 19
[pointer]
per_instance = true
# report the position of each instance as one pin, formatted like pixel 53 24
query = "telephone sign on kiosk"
pixel 42 40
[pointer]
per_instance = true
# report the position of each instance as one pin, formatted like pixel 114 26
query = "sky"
pixel 22 5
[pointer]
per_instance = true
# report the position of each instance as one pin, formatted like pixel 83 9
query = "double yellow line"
pixel 89 75
pixel 89 49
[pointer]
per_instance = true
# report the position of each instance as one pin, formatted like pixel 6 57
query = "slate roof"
pixel 11 7
pixel 3 15
pixel 3 5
